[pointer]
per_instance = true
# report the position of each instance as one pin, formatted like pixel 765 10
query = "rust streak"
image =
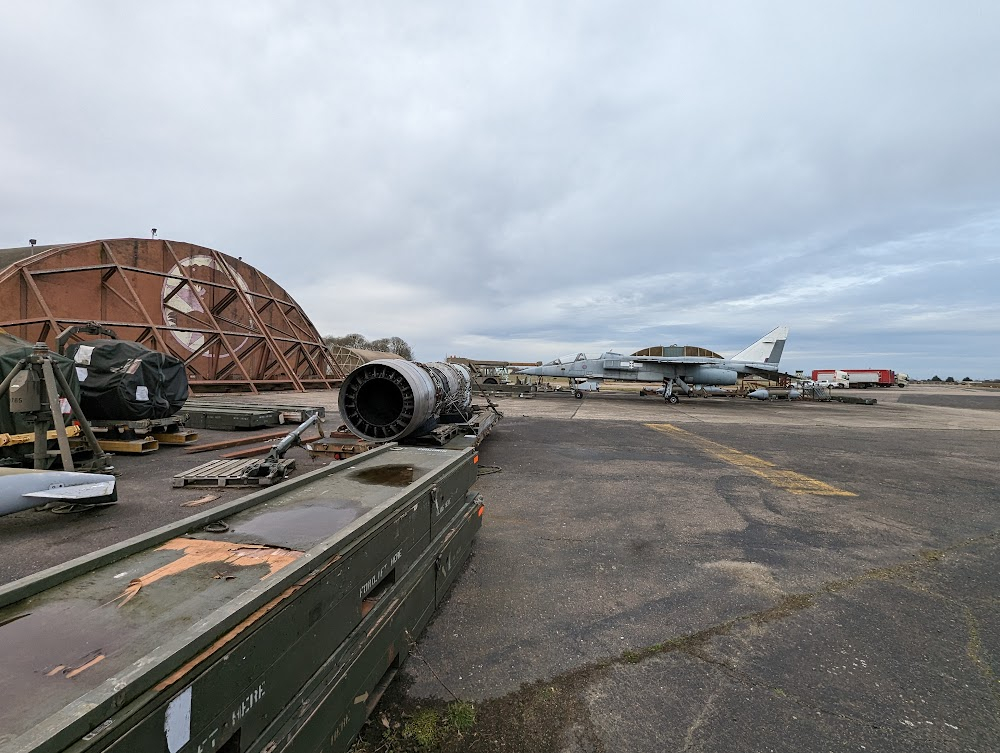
pixel 242 627
pixel 84 667
pixel 382 617
pixel 199 552
pixel 228 637
pixel 201 500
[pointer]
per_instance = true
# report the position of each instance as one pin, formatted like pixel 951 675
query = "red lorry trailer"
pixel 862 377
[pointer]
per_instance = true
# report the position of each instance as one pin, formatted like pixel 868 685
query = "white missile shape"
pixel 763 394
pixel 22 488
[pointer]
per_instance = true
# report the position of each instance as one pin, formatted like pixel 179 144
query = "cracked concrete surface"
pixel 629 592
pixel 683 603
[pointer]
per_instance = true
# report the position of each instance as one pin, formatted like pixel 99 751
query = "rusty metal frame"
pixel 251 334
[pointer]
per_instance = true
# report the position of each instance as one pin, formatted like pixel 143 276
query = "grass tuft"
pixel 462 716
pixel 423 727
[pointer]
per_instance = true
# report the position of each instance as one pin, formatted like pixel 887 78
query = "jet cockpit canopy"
pixel 567 359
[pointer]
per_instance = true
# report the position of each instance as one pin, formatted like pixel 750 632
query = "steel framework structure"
pixel 348 359
pixel 233 326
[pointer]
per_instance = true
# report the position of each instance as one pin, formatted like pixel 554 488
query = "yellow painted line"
pixel 790 481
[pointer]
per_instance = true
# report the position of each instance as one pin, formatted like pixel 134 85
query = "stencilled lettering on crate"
pixel 441 503
pixel 247 704
pixel 379 574
pixel 211 741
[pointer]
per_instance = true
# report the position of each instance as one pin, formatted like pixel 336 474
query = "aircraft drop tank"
pixel 786 393
pixel 390 399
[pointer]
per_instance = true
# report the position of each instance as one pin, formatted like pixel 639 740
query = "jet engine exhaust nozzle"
pixel 391 399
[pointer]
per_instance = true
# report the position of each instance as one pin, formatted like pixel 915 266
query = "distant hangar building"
pixel 677 351
pixel 234 327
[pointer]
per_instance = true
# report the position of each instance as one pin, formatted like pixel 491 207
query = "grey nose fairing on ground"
pixel 22 489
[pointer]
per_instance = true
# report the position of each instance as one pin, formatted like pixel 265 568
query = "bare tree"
pixel 400 347
pixel 353 340
pixel 396 345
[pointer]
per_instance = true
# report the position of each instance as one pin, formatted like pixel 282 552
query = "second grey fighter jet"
pixel 679 374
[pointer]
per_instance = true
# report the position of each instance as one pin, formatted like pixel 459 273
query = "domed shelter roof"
pixel 232 325
pixel 689 351
pixel 348 359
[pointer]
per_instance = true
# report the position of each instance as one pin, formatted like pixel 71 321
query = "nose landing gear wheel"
pixel 673 399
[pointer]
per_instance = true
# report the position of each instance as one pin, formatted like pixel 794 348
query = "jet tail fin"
pixel 767 349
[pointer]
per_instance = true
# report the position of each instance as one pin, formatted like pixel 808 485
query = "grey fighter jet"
pixel 22 489
pixel 687 375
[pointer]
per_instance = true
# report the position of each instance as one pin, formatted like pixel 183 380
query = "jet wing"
pixel 743 367
pixel 769 373
pixel 78 492
pixel 675 360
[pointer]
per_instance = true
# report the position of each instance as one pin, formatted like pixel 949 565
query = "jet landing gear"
pixel 668 390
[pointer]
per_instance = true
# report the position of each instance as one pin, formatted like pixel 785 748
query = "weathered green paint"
pixel 340 696
pixel 21 589
pixel 239 647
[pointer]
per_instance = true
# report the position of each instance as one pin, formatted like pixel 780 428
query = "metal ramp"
pixel 235 473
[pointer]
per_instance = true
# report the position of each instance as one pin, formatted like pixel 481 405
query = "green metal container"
pixel 271 623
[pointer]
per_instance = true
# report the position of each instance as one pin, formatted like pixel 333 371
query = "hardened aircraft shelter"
pixel 233 326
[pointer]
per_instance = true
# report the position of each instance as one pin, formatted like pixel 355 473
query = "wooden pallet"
pixel 439 436
pixel 170 430
pixel 338 444
pixel 458 434
pixel 140 446
pixel 233 473
pixel 179 436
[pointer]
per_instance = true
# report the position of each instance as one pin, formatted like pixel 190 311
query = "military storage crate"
pixel 272 623
pixel 230 419
pixel 290 413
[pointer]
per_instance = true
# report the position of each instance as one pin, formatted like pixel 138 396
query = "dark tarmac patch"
pixel 764 540
pixel 844 664
pixel 975 402
pixel 586 554
pixel 770 544
pixel 543 716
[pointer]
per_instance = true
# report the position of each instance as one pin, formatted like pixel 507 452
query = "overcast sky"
pixel 524 180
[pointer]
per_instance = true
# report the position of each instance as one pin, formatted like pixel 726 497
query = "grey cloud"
pixel 516 177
